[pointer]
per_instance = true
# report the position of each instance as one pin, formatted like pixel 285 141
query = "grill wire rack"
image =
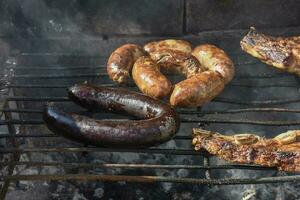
pixel 43 77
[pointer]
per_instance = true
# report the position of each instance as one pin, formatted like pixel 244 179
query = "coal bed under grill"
pixel 50 51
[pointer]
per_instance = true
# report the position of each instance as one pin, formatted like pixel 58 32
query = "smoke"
pixel 62 27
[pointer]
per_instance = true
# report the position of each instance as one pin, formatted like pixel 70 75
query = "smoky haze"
pixel 92 29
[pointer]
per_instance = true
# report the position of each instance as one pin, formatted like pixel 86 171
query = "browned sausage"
pixel 215 59
pixel 173 61
pixel 120 62
pixel 179 45
pixel 203 87
pixel 158 121
pixel 147 76
pixel 172 56
pixel 197 90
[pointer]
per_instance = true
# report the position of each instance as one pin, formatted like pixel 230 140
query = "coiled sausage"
pixel 203 87
pixel 147 76
pixel 120 62
pixel 159 122
pixel 215 59
pixel 176 56
pixel 173 61
pixel 171 44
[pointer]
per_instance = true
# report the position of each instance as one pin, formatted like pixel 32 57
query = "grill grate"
pixel 52 78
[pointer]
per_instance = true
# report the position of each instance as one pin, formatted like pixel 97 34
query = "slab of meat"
pixel 282 152
pixel 280 52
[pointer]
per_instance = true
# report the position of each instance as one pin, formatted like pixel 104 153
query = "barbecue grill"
pixel 260 99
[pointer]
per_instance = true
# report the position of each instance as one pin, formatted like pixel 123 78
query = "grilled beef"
pixel 282 152
pixel 282 53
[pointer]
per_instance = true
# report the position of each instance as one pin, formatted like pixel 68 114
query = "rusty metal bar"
pixel 152 179
pixel 183 119
pixel 91 75
pixel 30 135
pixel 87 56
pixel 255 103
pixel 139 166
pixel 253 122
pixel 186 112
pixel 94 149
pixel 55 67
pixel 261 86
pixel 218 99
pixel 37 135
pixel 25 98
pixel 114 85
pixel 81 67
pixel 59 54
pixel 21 110
pixel 243 110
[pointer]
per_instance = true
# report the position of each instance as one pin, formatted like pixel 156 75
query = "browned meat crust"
pixel 173 61
pixel 171 44
pixel 147 76
pixel 282 53
pixel 120 62
pixel 207 69
pixel 282 152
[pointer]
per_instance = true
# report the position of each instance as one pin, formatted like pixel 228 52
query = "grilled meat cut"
pixel 280 52
pixel 282 152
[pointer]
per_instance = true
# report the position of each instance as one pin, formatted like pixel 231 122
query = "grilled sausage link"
pixel 173 61
pixel 120 62
pixel 159 122
pixel 197 90
pixel 147 76
pixel 215 59
pixel 203 87
pixel 171 44
pixel 171 56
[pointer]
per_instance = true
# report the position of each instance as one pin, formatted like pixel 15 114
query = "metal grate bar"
pixel 255 103
pixel 151 179
pixel 262 86
pixel 73 55
pixel 55 67
pixel 232 111
pixel 21 110
pixel 25 98
pixel 139 166
pixel 94 149
pixel 91 75
pixel 133 166
pixel 87 56
pixel 99 66
pixel 190 112
pixel 217 99
pixel 37 135
pixel 114 85
pixel 183 119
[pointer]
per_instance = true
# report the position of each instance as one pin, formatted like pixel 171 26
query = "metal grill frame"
pixel 16 151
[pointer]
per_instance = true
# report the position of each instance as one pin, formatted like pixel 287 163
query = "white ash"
pixel 78 196
pixel 99 193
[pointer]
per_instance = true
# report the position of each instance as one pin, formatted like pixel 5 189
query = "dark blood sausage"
pixel 158 122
